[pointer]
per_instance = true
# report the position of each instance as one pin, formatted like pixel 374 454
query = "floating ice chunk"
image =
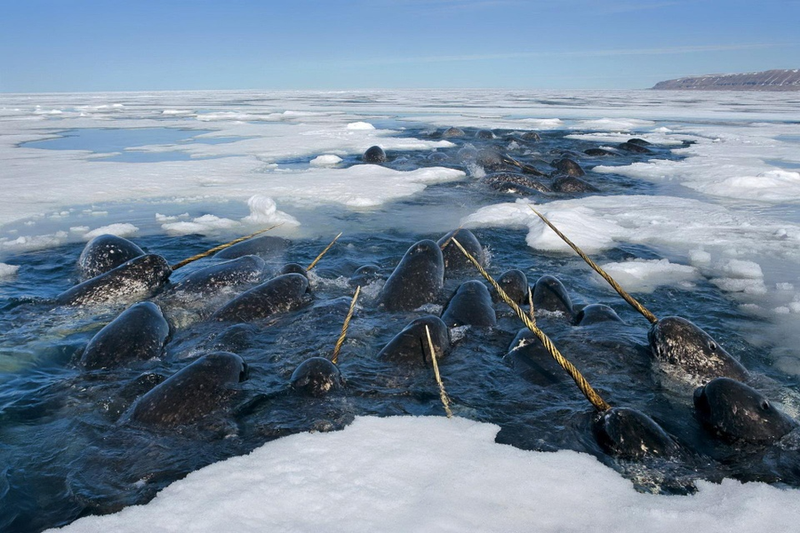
pixel 741 276
pixel 613 124
pixel 8 271
pixel 747 286
pixel 356 186
pixel 584 228
pixel 642 275
pixel 264 210
pixel 203 225
pixel 120 230
pixel 40 111
pixel 590 232
pixel 360 126
pixel 733 164
pixel 771 186
pixel 542 123
pixel 327 160
pixel 736 268
pixel 226 116
pixel 79 229
pixel 36 242
pixel 176 112
pixel 699 257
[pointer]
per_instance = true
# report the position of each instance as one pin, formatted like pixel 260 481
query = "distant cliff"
pixel 769 80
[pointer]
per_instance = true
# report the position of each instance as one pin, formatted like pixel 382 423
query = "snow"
pixel 202 225
pixel 642 275
pixel 232 170
pixel 326 160
pixel 360 126
pixel 679 224
pixel 613 124
pixel 434 474
pixel 358 186
pixel 263 212
pixel 729 162
pixel 120 230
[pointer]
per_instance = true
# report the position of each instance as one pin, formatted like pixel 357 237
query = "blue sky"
pixel 94 45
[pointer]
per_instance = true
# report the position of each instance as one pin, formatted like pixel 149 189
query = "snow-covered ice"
pixel 434 474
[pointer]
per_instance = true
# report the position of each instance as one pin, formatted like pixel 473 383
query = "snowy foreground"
pixel 434 474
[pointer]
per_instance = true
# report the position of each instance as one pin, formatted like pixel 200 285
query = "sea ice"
pixel 434 474
pixel 327 160
pixel 120 230
pixel 643 275
pixel 8 271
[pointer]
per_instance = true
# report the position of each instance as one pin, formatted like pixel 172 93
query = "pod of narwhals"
pixel 728 408
pixel 547 174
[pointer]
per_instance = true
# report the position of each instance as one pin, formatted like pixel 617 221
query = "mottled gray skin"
pixel 454 259
pixel 411 345
pixel 374 154
pixel 438 157
pixel 264 246
pixel 531 136
pixel 471 305
pixel 139 333
pixel 104 253
pixel 600 152
pixel 294 268
pixel 418 279
pixel 737 412
pixel 453 132
pixel 239 272
pixel 467 153
pixel 235 338
pixel 549 294
pixel 134 280
pixel 568 167
pixel 690 352
pixel 528 356
pixel 571 184
pixel 316 377
pixel 192 393
pixel 490 159
pixel 639 142
pixel 515 284
pixel 596 314
pixel 364 275
pixel 631 434
pixel 484 134
pixel 633 148
pixel 513 182
pixel 282 294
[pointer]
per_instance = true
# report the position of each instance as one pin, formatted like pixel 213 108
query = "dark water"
pixel 66 449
